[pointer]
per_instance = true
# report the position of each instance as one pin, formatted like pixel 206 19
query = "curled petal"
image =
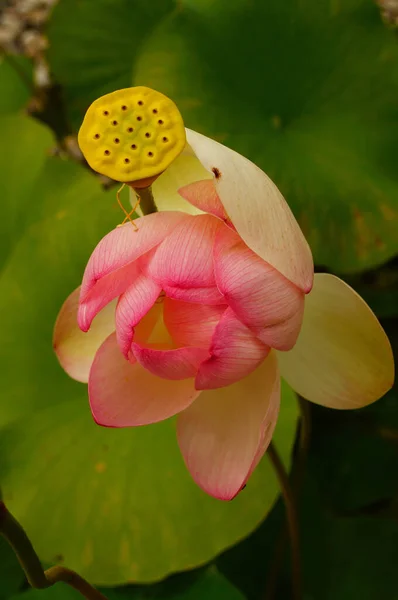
pixel 191 324
pixel 235 352
pixel 203 195
pixel 201 295
pixel 270 305
pixel 76 350
pixel 342 358
pixel 112 266
pixel 185 258
pixel 257 209
pixel 133 305
pixel 223 434
pixel 175 364
pixel 124 394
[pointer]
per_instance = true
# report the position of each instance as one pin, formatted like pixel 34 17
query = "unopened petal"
pixel 257 209
pixel 235 352
pixel 76 350
pixel 203 195
pixel 223 434
pixel 191 324
pixel 343 358
pixel 185 258
pixel 268 303
pixel 112 266
pixel 133 305
pixel 123 394
pixel 175 364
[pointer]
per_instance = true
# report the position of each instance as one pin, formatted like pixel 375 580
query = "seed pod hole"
pixel 165 139
pixel 130 129
pixel 126 160
pixel 97 136
pixel 124 107
pixel 160 122
pixel 155 111
pixel 116 140
pixel 150 153
pixel 105 113
pixel 133 147
pixel 140 103
pixel 139 118
pixel 107 153
pixel 114 123
pixel 147 135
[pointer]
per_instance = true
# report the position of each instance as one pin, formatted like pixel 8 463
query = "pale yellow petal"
pixel 184 170
pixel 343 358
pixel 257 209
pixel 74 348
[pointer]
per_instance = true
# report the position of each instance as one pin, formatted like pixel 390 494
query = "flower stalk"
pixel 16 536
pixel 291 518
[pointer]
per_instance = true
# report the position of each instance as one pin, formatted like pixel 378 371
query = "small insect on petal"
pixel 132 134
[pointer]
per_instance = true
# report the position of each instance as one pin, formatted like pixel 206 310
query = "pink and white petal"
pixel 257 209
pixel 112 266
pixel 75 350
pixel 343 358
pixel 235 352
pixel 123 394
pixel 203 195
pixel 185 169
pixel 268 303
pixel 222 434
pixel 185 258
pixel 173 364
pixel 133 305
pixel 191 324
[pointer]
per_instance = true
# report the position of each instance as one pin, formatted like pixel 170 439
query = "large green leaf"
pixel 15 83
pixel 116 505
pixel 306 88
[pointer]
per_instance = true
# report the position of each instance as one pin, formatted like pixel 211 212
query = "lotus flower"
pixel 200 312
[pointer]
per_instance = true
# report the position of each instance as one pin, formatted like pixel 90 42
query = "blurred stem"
pixel 147 202
pixel 297 481
pixel 291 517
pixel 15 535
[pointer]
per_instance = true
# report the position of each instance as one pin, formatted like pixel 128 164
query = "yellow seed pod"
pixel 132 134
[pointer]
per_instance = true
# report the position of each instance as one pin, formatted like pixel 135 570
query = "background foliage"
pixel 308 89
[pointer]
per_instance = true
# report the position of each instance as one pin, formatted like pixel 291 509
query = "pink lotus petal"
pixel 133 305
pixel 259 295
pixel 174 364
pixel 191 324
pixel 112 268
pixel 224 432
pixel 185 258
pixel 235 353
pixel 343 358
pixel 257 209
pixel 123 394
pixel 202 295
pixel 76 350
pixel 203 195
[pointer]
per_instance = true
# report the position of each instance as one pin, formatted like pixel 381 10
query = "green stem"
pixel 147 202
pixel 297 481
pixel 291 517
pixel 15 535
